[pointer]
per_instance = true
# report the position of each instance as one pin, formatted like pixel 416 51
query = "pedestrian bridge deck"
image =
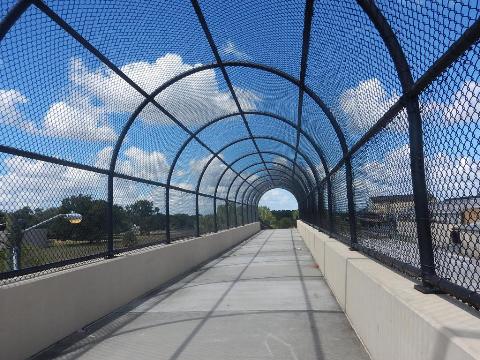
pixel 264 299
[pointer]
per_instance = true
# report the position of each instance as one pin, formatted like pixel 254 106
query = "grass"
pixel 60 250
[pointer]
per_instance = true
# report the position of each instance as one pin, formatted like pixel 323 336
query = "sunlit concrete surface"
pixel 265 299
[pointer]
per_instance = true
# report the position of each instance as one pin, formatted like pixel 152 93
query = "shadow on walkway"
pixel 265 299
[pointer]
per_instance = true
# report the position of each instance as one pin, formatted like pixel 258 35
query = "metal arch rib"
pixel 415 131
pixel 307 160
pixel 285 143
pixel 254 197
pixel 213 46
pixel 319 151
pixel 215 197
pixel 265 186
pixel 249 193
pixel 256 172
pixel 287 178
pixel 307 27
pixel 305 188
pixel 262 113
pixel 328 113
pixel 307 178
pixel 266 179
pixel 12 16
pixel 244 181
pixel 277 164
pixel 252 193
pixel 277 117
pixel 287 181
pixel 256 191
pixel 280 177
pixel 180 151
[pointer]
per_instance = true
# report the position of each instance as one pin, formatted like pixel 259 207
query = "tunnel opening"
pixel 278 209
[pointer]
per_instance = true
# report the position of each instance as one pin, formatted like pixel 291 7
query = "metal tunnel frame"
pixel 309 186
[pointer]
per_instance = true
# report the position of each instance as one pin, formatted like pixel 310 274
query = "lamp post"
pixel 72 218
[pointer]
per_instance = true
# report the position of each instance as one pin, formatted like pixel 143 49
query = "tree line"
pixel 142 215
pixel 278 219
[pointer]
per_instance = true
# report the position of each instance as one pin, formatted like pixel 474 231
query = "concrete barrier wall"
pixel 393 320
pixel 38 312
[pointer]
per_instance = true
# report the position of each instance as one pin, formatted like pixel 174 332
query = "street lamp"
pixel 72 218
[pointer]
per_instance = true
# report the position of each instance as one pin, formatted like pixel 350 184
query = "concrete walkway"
pixel 265 299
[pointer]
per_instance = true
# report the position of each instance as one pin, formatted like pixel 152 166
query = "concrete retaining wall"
pixel 393 320
pixel 38 312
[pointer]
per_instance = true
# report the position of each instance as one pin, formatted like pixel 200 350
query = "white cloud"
pixel 366 103
pixel 209 179
pixel 81 120
pixel 385 177
pixel 133 161
pixel 75 118
pixel 449 176
pixel 466 103
pixel 194 99
pixel 231 49
pixel 278 199
pixel 9 102
pixel 143 164
pixel 10 109
pixel 446 175
pixel 33 183
pixel 463 106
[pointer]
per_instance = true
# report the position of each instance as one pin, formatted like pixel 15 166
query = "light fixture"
pixel 73 218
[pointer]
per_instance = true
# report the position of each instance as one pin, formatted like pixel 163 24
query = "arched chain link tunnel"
pixel 176 125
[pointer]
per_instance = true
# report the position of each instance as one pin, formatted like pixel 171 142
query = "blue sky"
pixel 58 99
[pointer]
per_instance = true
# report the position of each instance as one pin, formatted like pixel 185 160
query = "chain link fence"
pixel 129 124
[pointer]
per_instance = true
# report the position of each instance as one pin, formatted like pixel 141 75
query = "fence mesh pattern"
pixel 129 124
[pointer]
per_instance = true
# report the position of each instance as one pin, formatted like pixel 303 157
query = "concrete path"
pixel 265 299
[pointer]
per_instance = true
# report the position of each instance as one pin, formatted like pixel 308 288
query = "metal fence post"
pixel 420 194
pixel 331 223
pixel 243 220
pixel 235 212
pixel 351 203
pixel 215 223
pixel 167 214
pixel 226 211
pixel 110 250
pixel 415 134
pixel 197 216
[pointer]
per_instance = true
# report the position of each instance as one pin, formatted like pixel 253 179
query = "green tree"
pixel 295 215
pixel 266 216
pixel 285 223
pixel 140 213
pixel 93 225
pixel 221 217
pixel 206 223
pixel 182 221
pixel 145 215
